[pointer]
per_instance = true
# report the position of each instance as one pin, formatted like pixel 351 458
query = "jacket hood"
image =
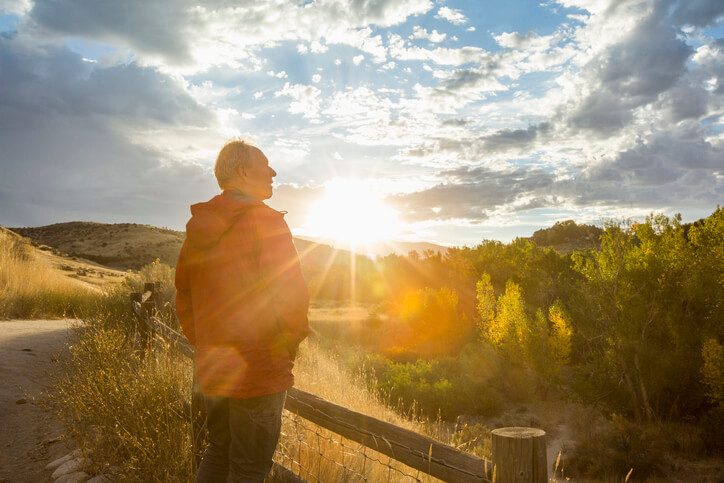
pixel 212 219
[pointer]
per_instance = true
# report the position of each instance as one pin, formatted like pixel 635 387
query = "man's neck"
pixel 239 195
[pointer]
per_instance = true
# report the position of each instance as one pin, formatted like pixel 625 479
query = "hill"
pixel 82 271
pixel 121 245
pixel 130 246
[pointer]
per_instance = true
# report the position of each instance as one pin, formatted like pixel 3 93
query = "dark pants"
pixel 243 434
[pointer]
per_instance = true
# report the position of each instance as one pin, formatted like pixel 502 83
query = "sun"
pixel 352 212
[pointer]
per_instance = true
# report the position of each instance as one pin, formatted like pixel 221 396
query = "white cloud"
pixel 278 75
pixel 357 59
pixel 421 33
pixel 361 39
pixel 317 47
pixel 316 78
pixel 306 100
pixel 190 40
pixel 451 15
pixel 400 49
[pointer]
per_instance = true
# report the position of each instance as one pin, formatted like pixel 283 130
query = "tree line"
pixel 635 321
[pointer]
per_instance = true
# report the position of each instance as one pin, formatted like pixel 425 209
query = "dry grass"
pixel 29 288
pixel 320 455
pixel 126 407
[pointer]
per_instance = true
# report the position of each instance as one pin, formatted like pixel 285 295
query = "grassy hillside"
pixel 121 245
pixel 35 282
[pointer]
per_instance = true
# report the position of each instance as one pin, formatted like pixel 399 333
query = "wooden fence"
pixel 519 454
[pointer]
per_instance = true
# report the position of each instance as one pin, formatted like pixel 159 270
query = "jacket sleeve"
pixel 282 274
pixel 184 309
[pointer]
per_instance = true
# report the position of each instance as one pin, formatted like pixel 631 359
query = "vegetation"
pixel 632 324
pixel 632 328
pixel 30 289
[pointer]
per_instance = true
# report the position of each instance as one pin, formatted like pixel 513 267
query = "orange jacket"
pixel 241 297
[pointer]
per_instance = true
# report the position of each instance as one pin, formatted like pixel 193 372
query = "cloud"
pixel 627 75
pixel 473 194
pixel 698 13
pixel 709 60
pixel 451 15
pixel 190 36
pixel 675 168
pixel 306 100
pixel 403 50
pixel 70 151
pixel 678 168
pixel 421 33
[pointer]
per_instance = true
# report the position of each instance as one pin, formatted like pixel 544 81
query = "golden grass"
pixel 31 289
pixel 126 407
pixel 320 455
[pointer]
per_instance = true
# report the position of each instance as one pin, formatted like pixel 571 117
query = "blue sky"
pixel 445 121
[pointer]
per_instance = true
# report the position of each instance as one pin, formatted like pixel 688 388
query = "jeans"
pixel 242 434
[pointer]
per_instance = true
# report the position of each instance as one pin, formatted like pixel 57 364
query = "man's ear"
pixel 241 171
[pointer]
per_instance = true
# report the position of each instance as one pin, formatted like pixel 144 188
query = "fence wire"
pixel 319 455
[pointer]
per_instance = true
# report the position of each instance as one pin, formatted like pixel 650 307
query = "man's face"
pixel 258 175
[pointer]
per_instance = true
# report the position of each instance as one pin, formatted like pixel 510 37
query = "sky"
pixel 447 121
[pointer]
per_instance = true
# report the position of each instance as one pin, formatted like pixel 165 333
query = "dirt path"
pixel 30 438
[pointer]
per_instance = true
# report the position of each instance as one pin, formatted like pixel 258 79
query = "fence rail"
pixel 419 452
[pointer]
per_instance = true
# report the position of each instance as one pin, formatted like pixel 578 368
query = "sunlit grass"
pixel 127 408
pixel 29 288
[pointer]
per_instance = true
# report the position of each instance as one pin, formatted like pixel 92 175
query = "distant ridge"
pixel 131 246
pixel 383 248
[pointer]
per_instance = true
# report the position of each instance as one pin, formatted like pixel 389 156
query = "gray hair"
pixel 233 155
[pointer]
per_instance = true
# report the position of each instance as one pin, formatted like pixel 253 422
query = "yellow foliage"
pixel 559 340
pixel 713 370
pixel 486 303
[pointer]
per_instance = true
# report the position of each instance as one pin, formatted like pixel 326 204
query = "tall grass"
pixel 319 454
pixel 126 406
pixel 29 288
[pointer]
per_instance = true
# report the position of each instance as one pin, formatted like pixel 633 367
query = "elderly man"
pixel 242 302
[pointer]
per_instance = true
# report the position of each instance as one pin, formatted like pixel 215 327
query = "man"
pixel 242 302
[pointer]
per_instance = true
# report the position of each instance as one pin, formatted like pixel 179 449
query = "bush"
pixel 610 449
pixel 471 383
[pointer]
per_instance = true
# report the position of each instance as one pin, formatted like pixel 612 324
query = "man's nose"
pixel 273 173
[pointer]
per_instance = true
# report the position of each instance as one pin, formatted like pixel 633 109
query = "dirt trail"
pixel 30 437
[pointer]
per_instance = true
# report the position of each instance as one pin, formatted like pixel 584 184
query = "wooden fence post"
pixel 519 455
pixel 148 307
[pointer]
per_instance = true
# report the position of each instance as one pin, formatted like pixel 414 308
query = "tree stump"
pixel 519 455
